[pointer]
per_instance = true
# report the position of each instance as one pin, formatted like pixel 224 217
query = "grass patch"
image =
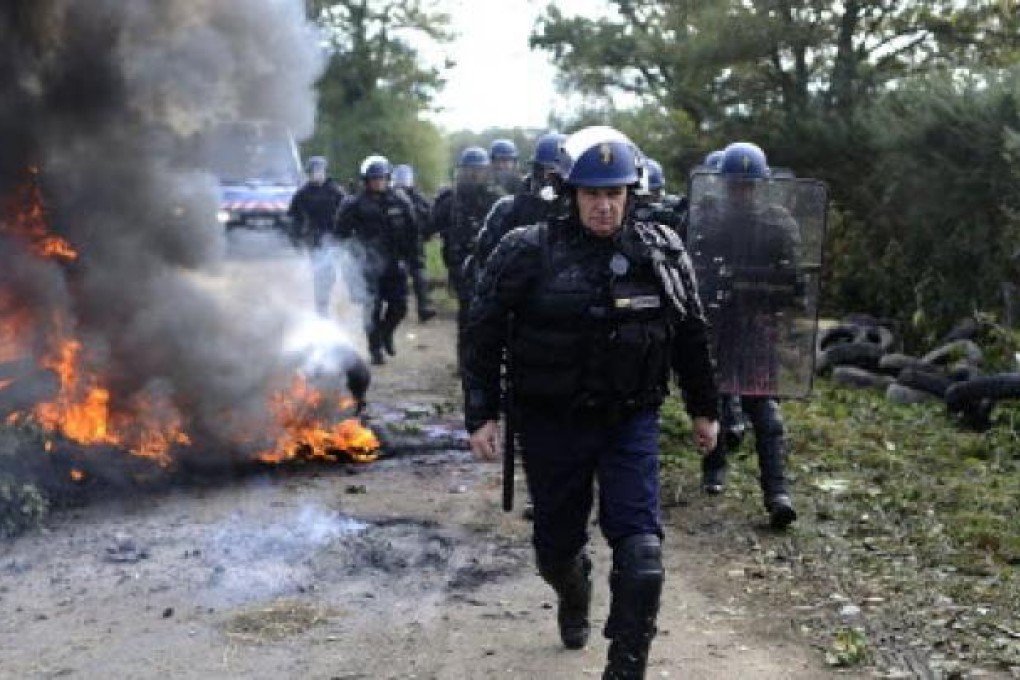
pixel 901 513
pixel 278 621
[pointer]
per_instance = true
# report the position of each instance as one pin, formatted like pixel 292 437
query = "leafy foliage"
pixel 375 88
pixel 906 109
pixel 897 507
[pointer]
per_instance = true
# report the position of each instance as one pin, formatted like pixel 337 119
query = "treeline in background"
pixel 910 110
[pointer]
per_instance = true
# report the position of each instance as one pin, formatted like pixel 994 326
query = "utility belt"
pixel 591 408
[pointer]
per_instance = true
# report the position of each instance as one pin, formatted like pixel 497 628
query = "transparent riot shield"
pixel 756 246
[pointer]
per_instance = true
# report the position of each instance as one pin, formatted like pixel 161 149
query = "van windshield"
pixel 246 152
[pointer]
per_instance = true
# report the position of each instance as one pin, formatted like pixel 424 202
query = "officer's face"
pixel 473 175
pixel 318 175
pixel 601 209
pixel 504 165
pixel 377 185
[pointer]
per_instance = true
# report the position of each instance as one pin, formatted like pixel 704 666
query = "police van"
pixel 259 170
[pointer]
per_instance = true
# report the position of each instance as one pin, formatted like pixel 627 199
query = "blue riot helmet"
pixel 473 166
pixel 656 178
pixel 599 156
pixel 713 159
pixel 547 149
pixel 403 176
pixel 744 160
pixel 544 165
pixel 316 168
pixel 473 157
pixel 503 150
pixel 503 154
pixel 375 167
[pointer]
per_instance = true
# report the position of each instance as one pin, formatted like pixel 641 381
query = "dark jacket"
pixel 384 224
pixel 457 216
pixel 313 210
pixel 592 327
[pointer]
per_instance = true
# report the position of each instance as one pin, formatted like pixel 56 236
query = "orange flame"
pixel 26 220
pixel 81 412
pixel 77 475
pixel 304 437
pixel 15 324
pixel 86 412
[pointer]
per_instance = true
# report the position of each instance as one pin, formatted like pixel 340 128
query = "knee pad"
pixel 636 585
pixel 639 557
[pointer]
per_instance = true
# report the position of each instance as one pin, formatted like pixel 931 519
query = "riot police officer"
pixel 403 180
pixel 601 308
pixel 747 235
pixel 713 159
pixel 312 213
pixel 654 205
pixel 532 204
pixel 503 155
pixel 381 221
pixel 457 217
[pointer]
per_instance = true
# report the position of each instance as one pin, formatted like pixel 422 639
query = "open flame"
pixel 82 413
pixel 24 217
pixel 85 411
pixel 298 410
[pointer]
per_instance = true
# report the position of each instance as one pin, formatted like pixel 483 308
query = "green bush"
pixel 22 506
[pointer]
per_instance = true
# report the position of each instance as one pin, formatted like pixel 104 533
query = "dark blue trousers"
pixel 564 456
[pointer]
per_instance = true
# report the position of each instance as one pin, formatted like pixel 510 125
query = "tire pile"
pixel 859 352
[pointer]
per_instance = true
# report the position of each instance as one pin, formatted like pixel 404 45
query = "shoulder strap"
pixel 673 267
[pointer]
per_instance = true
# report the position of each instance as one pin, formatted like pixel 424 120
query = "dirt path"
pixel 405 568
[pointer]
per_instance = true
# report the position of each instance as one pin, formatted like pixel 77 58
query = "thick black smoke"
pixel 100 96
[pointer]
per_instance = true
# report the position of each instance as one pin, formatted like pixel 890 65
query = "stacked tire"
pixel 858 352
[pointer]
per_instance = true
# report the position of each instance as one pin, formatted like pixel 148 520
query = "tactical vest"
pixel 595 333
pixel 383 223
pixel 469 208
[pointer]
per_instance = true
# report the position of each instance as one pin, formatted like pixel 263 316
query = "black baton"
pixel 509 438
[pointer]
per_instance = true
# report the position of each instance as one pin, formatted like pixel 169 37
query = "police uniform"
pixel 423 215
pixel 457 216
pixel 595 333
pixel 670 211
pixel 312 215
pixel 534 202
pixel 383 224
pixel 744 340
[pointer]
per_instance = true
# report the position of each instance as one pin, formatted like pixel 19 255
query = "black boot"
pixel 572 582
pixel 636 585
pixel 713 470
pixel 375 347
pixel 396 310
pixel 781 511
pixel 770 442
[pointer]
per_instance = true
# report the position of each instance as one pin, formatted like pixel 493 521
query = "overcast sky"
pixel 498 81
